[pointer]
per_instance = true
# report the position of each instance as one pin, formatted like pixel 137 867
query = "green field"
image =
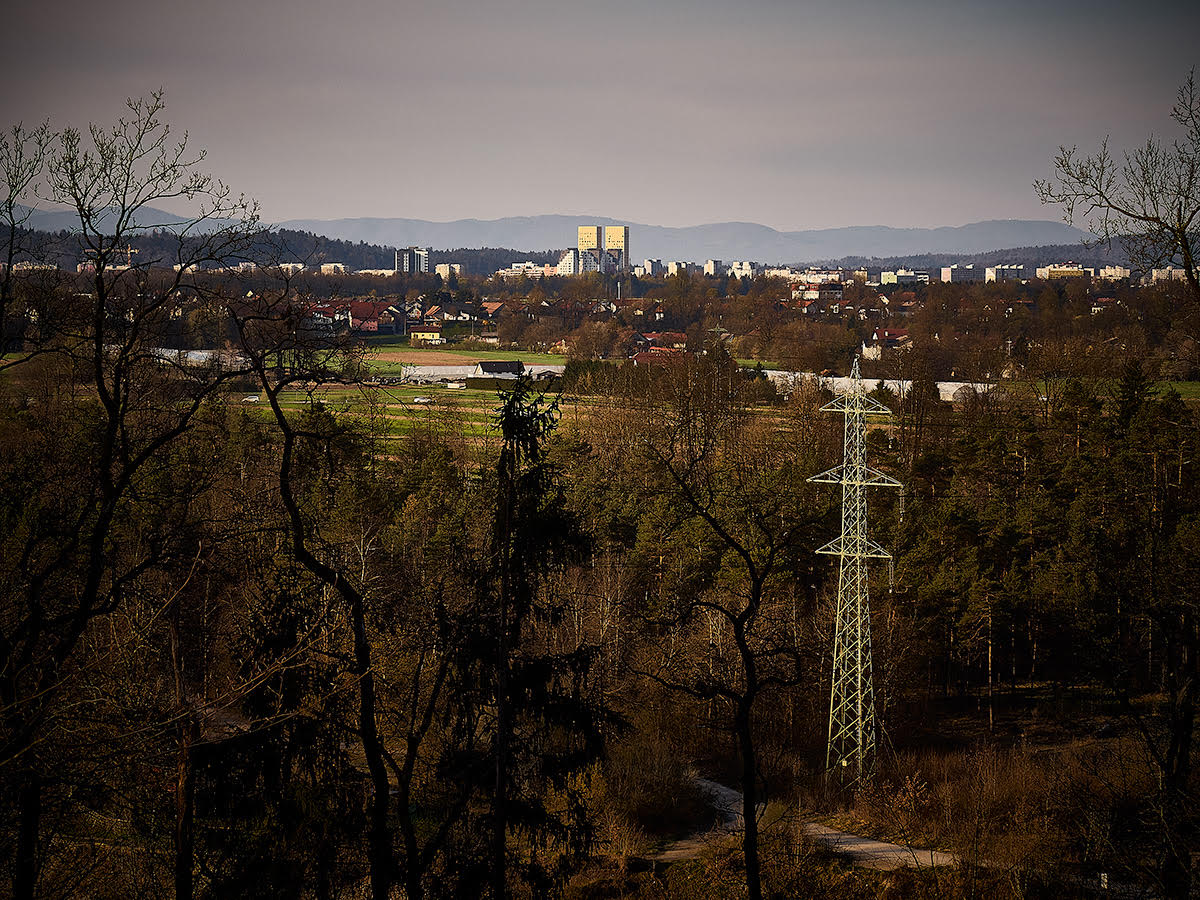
pixel 1188 390
pixel 403 408
pixel 392 343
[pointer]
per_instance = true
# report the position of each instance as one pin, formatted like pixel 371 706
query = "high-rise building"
pixel 616 242
pixel 413 259
pixel 603 248
pixel 590 237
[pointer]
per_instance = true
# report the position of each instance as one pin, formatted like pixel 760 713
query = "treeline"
pixel 484 261
pixel 1089 255
pixel 67 249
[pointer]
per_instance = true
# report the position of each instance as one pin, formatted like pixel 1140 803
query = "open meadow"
pixel 388 355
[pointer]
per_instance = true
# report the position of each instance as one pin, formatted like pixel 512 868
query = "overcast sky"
pixel 679 112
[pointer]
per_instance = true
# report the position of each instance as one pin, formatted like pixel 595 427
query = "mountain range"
pixel 726 241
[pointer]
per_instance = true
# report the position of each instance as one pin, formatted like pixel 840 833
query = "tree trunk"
pixel 25 866
pixel 185 807
pixel 380 838
pixel 749 804
pixel 1179 842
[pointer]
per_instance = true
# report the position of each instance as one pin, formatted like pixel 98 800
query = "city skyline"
pixel 794 117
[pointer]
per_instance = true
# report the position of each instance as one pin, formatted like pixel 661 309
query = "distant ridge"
pixel 726 240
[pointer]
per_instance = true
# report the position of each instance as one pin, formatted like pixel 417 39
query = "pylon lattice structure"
pixel 851 747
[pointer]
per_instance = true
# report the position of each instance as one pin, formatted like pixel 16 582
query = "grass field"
pixel 1188 390
pixel 391 350
pixel 405 407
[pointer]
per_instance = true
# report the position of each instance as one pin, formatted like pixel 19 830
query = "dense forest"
pixel 66 249
pixel 257 644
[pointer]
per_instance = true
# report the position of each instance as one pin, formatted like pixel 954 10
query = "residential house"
pixel 427 335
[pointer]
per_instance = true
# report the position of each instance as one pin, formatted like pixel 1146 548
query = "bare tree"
pixel 1148 200
pixel 22 163
pixel 736 481
pixel 89 522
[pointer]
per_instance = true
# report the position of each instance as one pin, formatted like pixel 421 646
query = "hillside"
pixel 725 240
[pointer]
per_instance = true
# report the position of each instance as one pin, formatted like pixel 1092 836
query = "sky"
pixel 791 114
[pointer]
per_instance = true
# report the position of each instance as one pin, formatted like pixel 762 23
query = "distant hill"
pixel 64 247
pixel 53 218
pixel 726 241
pixel 1091 255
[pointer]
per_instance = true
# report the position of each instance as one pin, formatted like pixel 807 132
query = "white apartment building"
pixel 904 276
pixel 445 270
pixel 743 269
pixel 1113 273
pixel 568 263
pixel 810 275
pixel 956 273
pixel 413 259
pixel 712 268
pixel 528 268
pixel 1063 270
pixel 1170 273
pixel 333 268
pixel 1005 272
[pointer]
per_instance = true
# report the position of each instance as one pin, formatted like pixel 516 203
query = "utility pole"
pixel 852 697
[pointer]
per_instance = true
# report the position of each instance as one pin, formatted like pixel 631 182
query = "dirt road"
pixel 866 852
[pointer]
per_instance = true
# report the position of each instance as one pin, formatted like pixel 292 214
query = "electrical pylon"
pixel 851 748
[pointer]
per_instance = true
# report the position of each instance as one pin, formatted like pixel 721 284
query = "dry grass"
pixel 1018 812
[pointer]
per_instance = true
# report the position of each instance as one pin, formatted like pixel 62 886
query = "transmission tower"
pixel 851 748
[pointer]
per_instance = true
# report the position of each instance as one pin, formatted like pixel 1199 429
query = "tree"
pixel 98 507
pixel 22 162
pixel 543 726
pixel 738 485
pixel 1148 201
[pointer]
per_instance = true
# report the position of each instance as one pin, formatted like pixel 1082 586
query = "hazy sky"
pixel 677 112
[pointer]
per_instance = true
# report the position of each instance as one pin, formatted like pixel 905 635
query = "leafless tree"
pixel 22 162
pixel 1148 199
pixel 91 521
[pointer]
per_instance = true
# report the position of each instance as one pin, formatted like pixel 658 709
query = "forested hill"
pixel 311 248
pixel 65 249
pixel 1084 254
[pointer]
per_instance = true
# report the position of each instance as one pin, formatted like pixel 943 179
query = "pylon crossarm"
pixel 864 548
pixel 866 477
pixel 856 402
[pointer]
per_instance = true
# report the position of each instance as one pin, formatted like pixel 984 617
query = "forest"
pixel 257 644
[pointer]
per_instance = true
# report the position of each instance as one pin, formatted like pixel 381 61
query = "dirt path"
pixel 860 851
pixel 872 854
